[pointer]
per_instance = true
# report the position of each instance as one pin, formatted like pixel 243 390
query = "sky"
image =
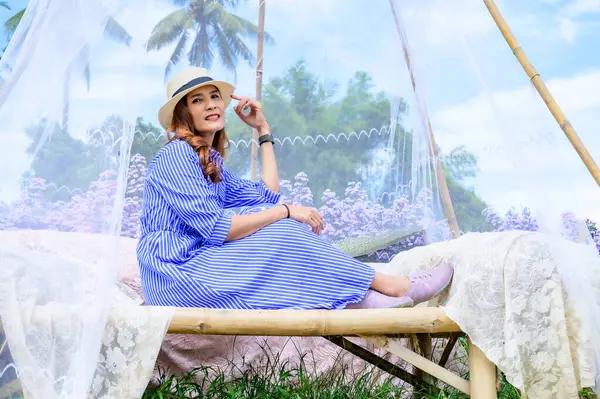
pixel 469 85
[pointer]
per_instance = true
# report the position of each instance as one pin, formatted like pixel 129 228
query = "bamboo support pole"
pixel 543 91
pixel 310 322
pixel 259 74
pixel 383 364
pixel 482 374
pixel 439 171
pixel 421 363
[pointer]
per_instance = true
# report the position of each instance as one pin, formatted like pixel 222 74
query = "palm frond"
pixel 218 15
pixel 240 48
pixel 251 30
pixel 229 3
pixel 5 5
pixel 168 29
pixel 10 26
pixel 177 52
pixel 200 53
pixel 116 31
pixel 223 45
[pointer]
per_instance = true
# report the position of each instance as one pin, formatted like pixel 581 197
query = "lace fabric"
pixel 507 294
pixel 130 340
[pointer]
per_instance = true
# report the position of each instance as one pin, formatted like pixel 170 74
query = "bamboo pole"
pixel 543 91
pixel 259 74
pixel 421 363
pixel 440 175
pixel 310 322
pixel 482 374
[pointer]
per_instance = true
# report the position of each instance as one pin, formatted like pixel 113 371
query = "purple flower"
pixel 354 214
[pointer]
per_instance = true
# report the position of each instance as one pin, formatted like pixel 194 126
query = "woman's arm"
pixel 268 172
pixel 255 118
pixel 245 225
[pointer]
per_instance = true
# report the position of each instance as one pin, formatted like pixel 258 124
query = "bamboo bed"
pixel 377 326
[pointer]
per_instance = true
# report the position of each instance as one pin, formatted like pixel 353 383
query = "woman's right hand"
pixel 310 216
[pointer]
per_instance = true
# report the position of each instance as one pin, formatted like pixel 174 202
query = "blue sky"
pixel 475 92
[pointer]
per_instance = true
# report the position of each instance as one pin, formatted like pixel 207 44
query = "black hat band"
pixel 192 83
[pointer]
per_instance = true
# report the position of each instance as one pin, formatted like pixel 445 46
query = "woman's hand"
pixel 310 216
pixel 255 118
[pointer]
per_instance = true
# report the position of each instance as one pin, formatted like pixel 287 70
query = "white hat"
pixel 186 81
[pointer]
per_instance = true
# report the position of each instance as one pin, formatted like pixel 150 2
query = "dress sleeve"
pixel 243 192
pixel 178 176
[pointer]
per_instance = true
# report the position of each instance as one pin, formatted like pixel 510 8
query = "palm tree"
pixel 112 29
pixel 211 29
pixel 10 26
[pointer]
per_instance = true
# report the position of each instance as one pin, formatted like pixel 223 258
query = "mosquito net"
pixel 408 124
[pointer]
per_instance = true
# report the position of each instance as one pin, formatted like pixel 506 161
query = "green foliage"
pixel 273 379
pixel 313 126
pixel 276 379
pixel 208 29
pixel 298 107
pixel 63 160
pixel 10 26
pixel 74 163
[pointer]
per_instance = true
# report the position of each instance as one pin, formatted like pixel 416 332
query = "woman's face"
pixel 207 109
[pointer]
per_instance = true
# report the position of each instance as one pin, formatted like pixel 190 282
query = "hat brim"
pixel 165 114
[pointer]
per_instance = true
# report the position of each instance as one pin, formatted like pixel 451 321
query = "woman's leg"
pixel 419 286
pixel 390 285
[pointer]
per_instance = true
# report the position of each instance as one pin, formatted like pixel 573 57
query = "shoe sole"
pixel 439 292
pixel 408 304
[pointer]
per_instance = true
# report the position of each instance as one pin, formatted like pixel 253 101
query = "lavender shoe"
pixel 427 284
pixel 377 300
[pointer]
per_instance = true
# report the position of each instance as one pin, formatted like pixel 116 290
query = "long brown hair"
pixel 182 127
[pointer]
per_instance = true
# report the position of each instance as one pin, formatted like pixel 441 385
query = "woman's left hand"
pixel 255 118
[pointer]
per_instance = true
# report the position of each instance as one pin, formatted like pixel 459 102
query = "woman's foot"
pixel 427 284
pixel 377 300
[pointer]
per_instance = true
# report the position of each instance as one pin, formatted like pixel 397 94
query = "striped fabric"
pixel 185 261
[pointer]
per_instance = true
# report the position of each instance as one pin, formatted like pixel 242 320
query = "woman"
pixel 193 254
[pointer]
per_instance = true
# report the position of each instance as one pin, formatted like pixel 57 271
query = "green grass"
pixel 278 380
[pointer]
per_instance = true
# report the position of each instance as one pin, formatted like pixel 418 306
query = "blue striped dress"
pixel 184 259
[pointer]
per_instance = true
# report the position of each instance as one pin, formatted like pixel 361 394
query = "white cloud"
pixel 572 18
pixel 579 7
pixel 525 158
pixel 338 37
pixel 568 28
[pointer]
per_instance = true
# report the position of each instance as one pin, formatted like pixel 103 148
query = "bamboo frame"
pixel 483 374
pixel 259 74
pixel 421 362
pixel 369 324
pixel 345 322
pixel 543 91
pixel 440 175
pixel 383 364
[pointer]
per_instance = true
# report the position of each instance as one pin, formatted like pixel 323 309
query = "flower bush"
pixel 352 214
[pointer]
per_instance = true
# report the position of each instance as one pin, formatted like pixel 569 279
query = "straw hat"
pixel 186 81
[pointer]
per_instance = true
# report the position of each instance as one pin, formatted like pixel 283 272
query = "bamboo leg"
pixel 483 374
pixel 383 364
pixel 448 350
pixel 259 74
pixel 420 362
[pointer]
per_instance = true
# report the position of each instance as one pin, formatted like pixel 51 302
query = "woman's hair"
pixel 182 125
